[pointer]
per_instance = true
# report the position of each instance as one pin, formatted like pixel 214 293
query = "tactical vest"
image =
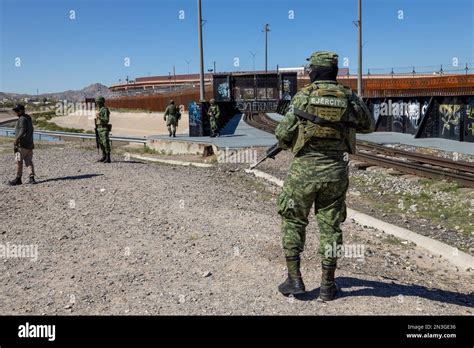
pixel 99 121
pixel 329 105
pixel 212 110
pixel 172 110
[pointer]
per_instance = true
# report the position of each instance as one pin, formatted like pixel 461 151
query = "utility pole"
pixel 187 62
pixel 174 74
pixel 266 29
pixel 214 67
pixel 201 56
pixel 359 68
pixel 253 56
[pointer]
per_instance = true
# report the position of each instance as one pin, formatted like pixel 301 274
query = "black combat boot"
pixel 103 158
pixel 174 134
pixel 31 180
pixel 107 158
pixel 15 182
pixel 328 288
pixel 293 285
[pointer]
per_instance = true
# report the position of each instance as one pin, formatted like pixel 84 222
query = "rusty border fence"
pixel 157 102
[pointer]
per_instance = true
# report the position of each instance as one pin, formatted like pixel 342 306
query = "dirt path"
pixel 139 238
pixel 7 118
pixel 126 123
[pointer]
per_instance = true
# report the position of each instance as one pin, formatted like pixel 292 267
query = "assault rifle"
pixel 271 153
pixel 97 140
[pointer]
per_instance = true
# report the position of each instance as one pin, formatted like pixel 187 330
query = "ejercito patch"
pixel 339 103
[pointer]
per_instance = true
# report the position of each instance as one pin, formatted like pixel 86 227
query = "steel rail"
pixel 428 166
pixel 417 157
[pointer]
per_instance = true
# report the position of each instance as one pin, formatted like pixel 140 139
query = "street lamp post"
pixel 253 56
pixel 359 69
pixel 201 56
pixel 266 29
pixel 187 62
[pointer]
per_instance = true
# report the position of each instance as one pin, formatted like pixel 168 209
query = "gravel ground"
pixel 379 183
pixel 435 209
pixel 455 156
pixel 141 238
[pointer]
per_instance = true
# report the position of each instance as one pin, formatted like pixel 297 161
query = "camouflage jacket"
pixel 290 132
pixel 214 111
pixel 172 111
pixel 103 117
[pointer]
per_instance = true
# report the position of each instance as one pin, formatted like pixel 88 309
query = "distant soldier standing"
pixel 171 116
pixel 103 128
pixel 23 145
pixel 320 130
pixel 214 113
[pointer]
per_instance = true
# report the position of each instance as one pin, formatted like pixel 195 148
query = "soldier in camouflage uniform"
pixel 214 112
pixel 171 116
pixel 103 127
pixel 319 129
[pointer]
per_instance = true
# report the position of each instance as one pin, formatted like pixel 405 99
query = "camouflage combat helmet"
pixel 100 100
pixel 171 101
pixel 323 58
pixel 212 101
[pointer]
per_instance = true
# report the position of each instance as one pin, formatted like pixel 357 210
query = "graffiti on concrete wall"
pixel 400 115
pixel 257 106
pixel 286 90
pixel 413 114
pixel 469 120
pixel 450 118
pixel 450 115
pixel 223 90
pixel 194 114
pixel 447 117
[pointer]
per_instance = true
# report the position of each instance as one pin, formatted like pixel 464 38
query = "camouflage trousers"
pixel 172 129
pixel 300 191
pixel 213 123
pixel 104 140
pixel 171 123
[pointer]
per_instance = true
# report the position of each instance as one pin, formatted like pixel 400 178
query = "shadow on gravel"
pixel 129 162
pixel 76 177
pixel 382 289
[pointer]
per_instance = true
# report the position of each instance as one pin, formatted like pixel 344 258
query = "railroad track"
pixel 407 162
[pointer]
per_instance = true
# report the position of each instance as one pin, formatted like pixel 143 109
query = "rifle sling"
pixel 323 122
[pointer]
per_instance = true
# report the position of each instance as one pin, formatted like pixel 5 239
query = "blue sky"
pixel 58 53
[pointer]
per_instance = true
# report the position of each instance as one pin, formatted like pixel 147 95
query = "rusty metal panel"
pixel 156 102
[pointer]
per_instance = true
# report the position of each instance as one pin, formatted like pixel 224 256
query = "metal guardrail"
pixel 58 134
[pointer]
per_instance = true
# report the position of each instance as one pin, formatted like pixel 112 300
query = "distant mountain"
pixel 91 91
